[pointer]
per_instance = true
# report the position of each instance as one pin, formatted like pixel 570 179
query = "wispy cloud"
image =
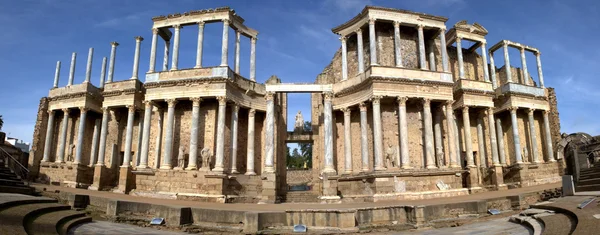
pixel 124 20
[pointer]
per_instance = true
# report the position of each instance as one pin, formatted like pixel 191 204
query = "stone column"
pixel 452 154
pixel 72 69
pixel 200 42
pixel 403 126
pixel 136 58
pixel 457 139
pixel 168 151
pixel 88 67
pixel 539 69
pixel 421 47
pixel 524 67
pixel 56 74
pixel 193 157
pixel 140 137
pixel 175 61
pixel 225 41
pixel 377 134
pixel 516 139
pixel 237 52
pixel 253 59
pixel 461 66
pixel 250 147
pixel 111 65
pixel 128 136
pixel 63 137
pixel 166 56
pixel 437 134
pixel 344 59
pixel 445 66
pixel 234 133
pixel 507 63
pixel 493 71
pixel 431 47
pixel 500 134
pixel 80 133
pixel 359 44
pixel 428 132
pixel 532 132
pixel 103 133
pixel 481 142
pixel 153 51
pixel 468 140
pixel 159 131
pixel 95 135
pixel 220 156
pixel 397 44
pixel 347 141
pixel 146 134
pixel 103 72
pixel 548 138
pixel 269 138
pixel 486 74
pixel 49 134
pixel 364 145
pixel 372 42
pixel 493 142
pixel 328 126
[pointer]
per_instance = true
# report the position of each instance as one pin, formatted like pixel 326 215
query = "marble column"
pixel 128 136
pixel 72 69
pixel 372 42
pixel 270 133
pixel 493 142
pixel 146 134
pixel 421 47
pixel 431 54
pixel 364 145
pixel 486 75
pixel 225 41
pixel 493 71
pixel 539 69
pixel 403 126
pixel 88 67
pixel 461 66
pixel 468 139
pixel 175 61
pixel 428 134
pixel 456 135
pixel 56 74
pixel 62 141
pixel 516 139
pixel 153 51
pixel 250 147
pixel 200 46
pixel 80 133
pixel 235 109
pixel 445 66
pixel 450 122
pixel 481 142
pixel 397 44
pixel 49 134
pixel 140 137
pixel 377 134
pixel 95 137
pixel 193 156
pixel 500 134
pixel 103 134
pixel 103 72
pixel 166 56
pixel 220 151
pixel 359 44
pixel 136 58
pixel 168 151
pixel 507 64
pixel 236 59
pixel 344 59
pixel 524 67
pixel 437 134
pixel 111 64
pixel 533 134
pixel 548 138
pixel 347 141
pixel 253 59
pixel 158 140
pixel 328 126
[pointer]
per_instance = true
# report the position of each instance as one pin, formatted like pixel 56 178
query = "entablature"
pixel 513 44
pixel 206 16
pixel 472 32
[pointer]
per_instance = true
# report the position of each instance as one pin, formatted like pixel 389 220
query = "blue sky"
pixel 295 43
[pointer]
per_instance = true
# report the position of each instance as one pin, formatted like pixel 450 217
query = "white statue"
pixel 299 125
pixel 391 155
pixel 206 156
pixel 181 157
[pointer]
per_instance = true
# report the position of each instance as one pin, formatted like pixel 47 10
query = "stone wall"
pixel 39 138
pixel 298 177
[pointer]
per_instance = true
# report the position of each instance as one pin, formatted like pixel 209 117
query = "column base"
pixel 269 169
pixel 126 180
pixel 173 69
pixel 431 167
pixel 407 167
pixel 234 171
pixel 552 160
pixel 165 167
pixel 178 168
pixel 329 171
pixel 498 178
pixel 250 173
pixel 348 172
pixel 191 168
pixel 472 178
pixel 454 166
pixel 198 67
pixel 269 189
pixel 218 170
pixel 380 168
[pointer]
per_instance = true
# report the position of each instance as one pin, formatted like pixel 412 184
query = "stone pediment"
pixel 475 28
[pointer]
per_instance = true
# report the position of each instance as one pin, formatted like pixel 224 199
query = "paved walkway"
pixel 492 227
pixel 103 227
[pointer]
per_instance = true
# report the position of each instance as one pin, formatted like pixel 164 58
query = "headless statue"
pixel 181 157
pixel 206 157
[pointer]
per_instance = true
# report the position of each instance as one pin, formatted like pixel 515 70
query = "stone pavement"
pixel 491 227
pixel 103 227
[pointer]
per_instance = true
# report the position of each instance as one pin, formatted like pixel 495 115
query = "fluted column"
pixel 461 66
pixel 103 134
pixel 72 69
pixel 234 133
pixel 63 137
pixel 95 137
pixel 493 71
pixel 372 42
pixel 225 41
pixel 445 66
pixel 80 133
pixel 200 42
pixel 49 134
pixel 136 58
pixel 507 63
pixel 220 155
pixel 103 72
pixel 516 139
pixel 480 142
pixel 56 74
pixel 269 137
pixel 165 66
pixel 493 142
pixel 128 136
pixel 500 134
pixel 344 59
pixel 486 74
pixel 111 64
pixel 539 69
pixel 524 67
pixel 175 61
pixel 377 134
pixel 88 67
pixel 431 54
pixel 237 52
pixel 347 141
pixel 450 123
pixel 250 142
pixel 359 44
pixel 421 47
pixel 397 44
pixel 437 134
pixel 428 132
pixel 168 151
pixel 146 134
pixel 548 138
pixel 403 126
pixel 253 59
pixel 364 145
pixel 153 51
pixel 328 126
pixel 468 140
pixel 193 156
pixel 532 132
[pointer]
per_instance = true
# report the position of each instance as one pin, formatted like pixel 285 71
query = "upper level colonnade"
pixel 505 44
pixel 474 33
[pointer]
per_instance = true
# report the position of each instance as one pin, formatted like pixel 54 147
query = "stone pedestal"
pixel 473 179
pixel 126 180
pixel 101 178
pixel 330 190
pixel 269 188
pixel 498 178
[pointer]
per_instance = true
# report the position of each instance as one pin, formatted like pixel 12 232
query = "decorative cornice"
pixel 193 12
pixel 365 12
pixel 183 82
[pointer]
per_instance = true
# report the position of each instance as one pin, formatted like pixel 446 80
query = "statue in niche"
pixel 71 153
pixel 206 157
pixel 525 156
pixel 391 154
pixel 181 157
pixel 439 156
pixel 299 125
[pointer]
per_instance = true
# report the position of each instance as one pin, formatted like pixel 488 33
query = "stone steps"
pixel 11 183
pixel 53 222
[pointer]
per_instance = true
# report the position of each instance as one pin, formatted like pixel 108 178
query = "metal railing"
pixel 14 165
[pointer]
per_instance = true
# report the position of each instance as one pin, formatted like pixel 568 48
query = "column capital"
pixel 449 103
pixel 465 109
pixel 154 31
pixel 522 49
pixel 171 102
pixel 269 96
pixel 376 99
pixel 50 112
pixel 396 24
pixel 114 44
pixel 253 39
pixel 236 107
pixel 545 112
pixel 371 20
pixel 513 109
pixel 346 111
pixel 327 96
pixel 343 39
pixel 442 30
pixel 177 27
pixel 196 101
pixel 226 21
pixel 131 108
pixel 105 109
pixel 362 106
pixel 490 110
pixel 139 38
pixel 222 100
pixel 504 44
pixel 65 110
pixel 426 102
pixel 537 53
pixel 420 26
pixel 200 23
pixel 402 100
pixel 148 104
pixel 458 39
pixel 83 109
pixel 530 111
pixel 358 31
pixel 251 112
